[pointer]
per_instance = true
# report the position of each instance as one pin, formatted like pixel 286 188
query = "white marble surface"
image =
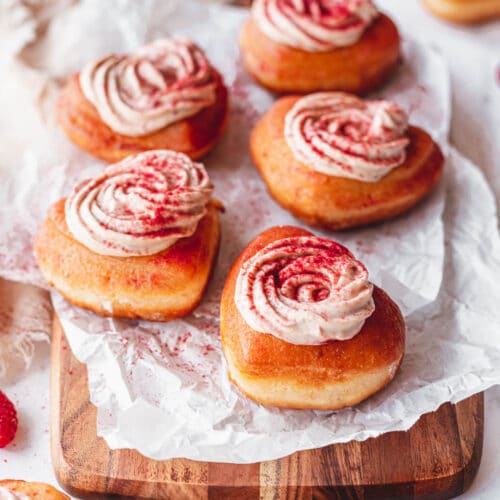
pixel 474 60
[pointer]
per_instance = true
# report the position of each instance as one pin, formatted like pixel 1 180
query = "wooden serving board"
pixel 437 458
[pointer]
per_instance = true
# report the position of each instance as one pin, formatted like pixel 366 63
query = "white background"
pixel 474 58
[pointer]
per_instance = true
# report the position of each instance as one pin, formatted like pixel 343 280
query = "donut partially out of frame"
pixel 464 11
pixel 357 68
pixel 39 491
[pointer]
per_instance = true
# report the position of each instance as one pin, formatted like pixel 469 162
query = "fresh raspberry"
pixel 8 420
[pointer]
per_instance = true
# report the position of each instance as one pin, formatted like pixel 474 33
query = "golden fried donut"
pixel 336 202
pixel 159 285
pixel 357 68
pixel 40 491
pixel 330 376
pixel 464 11
pixel 194 135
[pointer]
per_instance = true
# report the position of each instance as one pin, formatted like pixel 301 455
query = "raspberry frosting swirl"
pixel 341 135
pixel 304 290
pixel 314 25
pixel 141 205
pixel 8 494
pixel 164 82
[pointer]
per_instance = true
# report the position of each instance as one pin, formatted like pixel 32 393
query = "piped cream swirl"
pixel 162 83
pixel 8 494
pixel 314 25
pixel 341 135
pixel 141 205
pixel 304 290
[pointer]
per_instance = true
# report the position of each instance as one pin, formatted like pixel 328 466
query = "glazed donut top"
pixel 162 83
pixel 7 494
pixel 341 135
pixel 141 205
pixel 314 25
pixel 304 290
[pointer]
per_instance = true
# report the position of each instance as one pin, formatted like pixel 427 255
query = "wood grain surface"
pixel 437 458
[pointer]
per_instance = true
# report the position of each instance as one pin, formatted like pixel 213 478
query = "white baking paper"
pixel 162 388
